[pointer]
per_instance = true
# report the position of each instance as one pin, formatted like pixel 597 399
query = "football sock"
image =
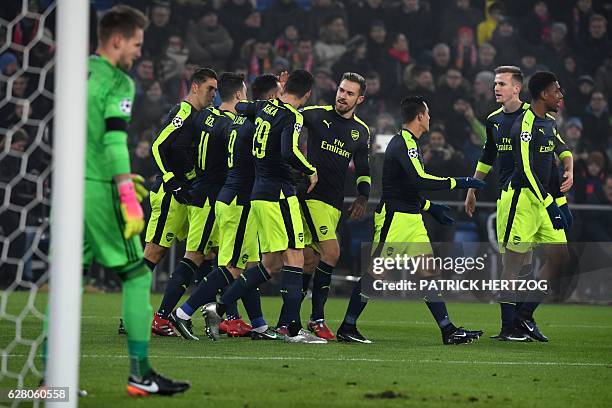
pixel 176 286
pixel 250 279
pixel 252 304
pixel 291 291
pixel 320 289
pixel 507 307
pixel 202 272
pixel 437 307
pixel 137 315
pixel 357 303
pixel 306 277
pixel 526 273
pixel 534 298
pixel 232 308
pixel 207 291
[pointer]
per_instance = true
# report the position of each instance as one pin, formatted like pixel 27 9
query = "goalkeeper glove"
pixel 469 182
pixel 179 190
pixel 130 209
pixel 438 211
pixel 556 217
pixel 141 190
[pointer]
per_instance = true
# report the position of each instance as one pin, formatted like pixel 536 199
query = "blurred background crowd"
pixel 445 50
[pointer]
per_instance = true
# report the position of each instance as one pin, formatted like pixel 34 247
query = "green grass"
pixel 407 358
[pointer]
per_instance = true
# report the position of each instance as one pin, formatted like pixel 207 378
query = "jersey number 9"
pixel 261 137
pixel 230 148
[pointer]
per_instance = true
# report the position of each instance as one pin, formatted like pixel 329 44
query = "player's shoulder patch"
pixel 525 136
pixel 413 152
pixel 125 106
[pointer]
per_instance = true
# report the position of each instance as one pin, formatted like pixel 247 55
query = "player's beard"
pixel 342 109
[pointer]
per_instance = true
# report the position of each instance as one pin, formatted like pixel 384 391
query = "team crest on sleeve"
pixel 125 106
pixel 525 136
pixel 355 134
pixel 413 152
pixel 177 122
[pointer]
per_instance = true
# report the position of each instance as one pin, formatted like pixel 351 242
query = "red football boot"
pixel 235 328
pixel 320 329
pixel 162 327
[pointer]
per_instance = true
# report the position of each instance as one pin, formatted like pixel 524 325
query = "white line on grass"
pixel 366 360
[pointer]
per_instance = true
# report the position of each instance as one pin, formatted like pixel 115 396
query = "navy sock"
pixel 202 272
pixel 526 273
pixel 357 303
pixel 282 317
pixel 437 307
pixel 150 264
pixel 320 289
pixel 507 307
pixel 252 304
pixel 250 279
pixel 207 291
pixel 291 291
pixel 176 286
pixel 232 308
pixel 534 298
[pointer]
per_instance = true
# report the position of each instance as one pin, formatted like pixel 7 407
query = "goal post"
pixel 67 197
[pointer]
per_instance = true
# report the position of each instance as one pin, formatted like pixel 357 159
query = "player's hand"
pixel 470 202
pixel 567 215
pixel 313 181
pixel 556 217
pixel 357 209
pixel 130 209
pixel 282 78
pixel 568 181
pixel 141 190
pixel 179 190
pixel 438 211
pixel 469 182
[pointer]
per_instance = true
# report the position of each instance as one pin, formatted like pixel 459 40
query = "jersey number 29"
pixel 261 137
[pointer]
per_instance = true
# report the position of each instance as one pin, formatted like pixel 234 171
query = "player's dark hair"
pixel 539 82
pixel 411 106
pixel 123 20
pixel 229 84
pixel 299 83
pixel 517 74
pixel 356 78
pixel 262 85
pixel 201 75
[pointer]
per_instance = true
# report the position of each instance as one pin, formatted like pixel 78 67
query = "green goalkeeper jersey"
pixel 110 95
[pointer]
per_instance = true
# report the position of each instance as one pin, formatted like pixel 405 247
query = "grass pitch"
pixel 406 366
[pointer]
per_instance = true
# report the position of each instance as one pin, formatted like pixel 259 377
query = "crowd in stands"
pixel 445 50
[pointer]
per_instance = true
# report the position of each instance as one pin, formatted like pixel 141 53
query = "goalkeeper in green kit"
pixel 113 216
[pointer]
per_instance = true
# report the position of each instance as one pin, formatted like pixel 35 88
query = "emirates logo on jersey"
pixel 177 122
pixel 525 136
pixel 413 152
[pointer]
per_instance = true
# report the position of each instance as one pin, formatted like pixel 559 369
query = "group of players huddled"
pixel 227 186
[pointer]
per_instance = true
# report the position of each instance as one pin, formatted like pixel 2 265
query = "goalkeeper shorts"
pixel 104 225
pixel 238 243
pixel 320 221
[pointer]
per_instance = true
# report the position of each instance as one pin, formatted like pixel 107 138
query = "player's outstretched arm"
pixel 487 158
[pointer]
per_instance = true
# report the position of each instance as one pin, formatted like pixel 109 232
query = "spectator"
pixel 332 37
pixel 484 97
pixel 324 87
pixel 142 163
pixel 572 135
pixel 457 126
pixel 441 60
pixel 377 43
pixel 260 56
pixel 529 63
pixel 145 73
pixel 175 55
pixel 486 28
pixel 281 12
pixel 591 179
pixel 363 15
pixel 396 61
pixel 414 20
pixel 374 103
pixel 596 46
pixel 241 21
pixel 486 60
pixel 385 124
pixel 576 103
pixel 537 24
pixel 440 159
pixel 580 16
pixel 158 31
pixel 9 64
pixel 422 83
pixel 568 75
pixel 353 60
pixel 321 10
pixel 450 87
pixel 465 52
pixel 287 41
pixel 507 43
pixel 303 57
pixel 603 77
pixel 554 51
pixel 149 109
pixel 458 15
pixel 596 121
pixel 209 42
pixel 597 228
pixel 176 87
